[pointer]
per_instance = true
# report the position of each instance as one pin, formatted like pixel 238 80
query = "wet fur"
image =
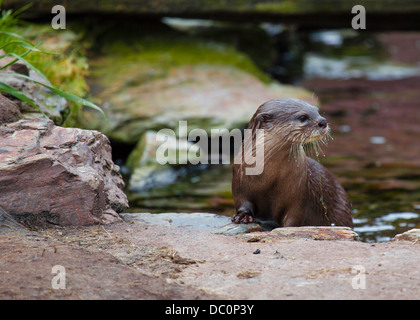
pixel 293 189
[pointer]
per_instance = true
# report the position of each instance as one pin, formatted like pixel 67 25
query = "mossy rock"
pixel 154 83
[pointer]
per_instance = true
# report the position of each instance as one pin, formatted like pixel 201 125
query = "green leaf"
pixel 22 44
pixel 4 87
pixel 12 34
pixel 63 94
pixel 76 99
pixel 19 11
pixel 12 62
pixel 30 66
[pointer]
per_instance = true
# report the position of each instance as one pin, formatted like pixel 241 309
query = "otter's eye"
pixel 303 118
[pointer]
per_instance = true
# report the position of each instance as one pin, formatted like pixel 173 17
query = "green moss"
pixel 280 7
pixel 158 55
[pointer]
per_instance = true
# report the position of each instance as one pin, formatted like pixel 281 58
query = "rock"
pixel 9 111
pixel 7 222
pixel 204 96
pixel 63 176
pixel 109 216
pixel 151 183
pixel 314 233
pixel 142 161
pixel 208 222
pixel 412 235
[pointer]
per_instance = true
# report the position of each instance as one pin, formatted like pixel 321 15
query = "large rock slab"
pixel 63 176
pixel 206 96
pixel 142 261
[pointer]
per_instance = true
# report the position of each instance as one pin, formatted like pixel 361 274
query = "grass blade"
pixel 30 66
pixel 22 44
pixel 4 87
pixel 63 94
pixel 12 62
pixel 12 34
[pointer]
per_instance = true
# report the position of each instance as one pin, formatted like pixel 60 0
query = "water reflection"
pixel 385 227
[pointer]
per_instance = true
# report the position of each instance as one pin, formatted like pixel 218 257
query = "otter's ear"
pixel 265 117
pixel 258 120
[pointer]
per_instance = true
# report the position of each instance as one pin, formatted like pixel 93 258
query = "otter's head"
pixel 289 121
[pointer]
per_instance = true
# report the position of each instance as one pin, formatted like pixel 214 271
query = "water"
pixel 384 228
pixel 363 83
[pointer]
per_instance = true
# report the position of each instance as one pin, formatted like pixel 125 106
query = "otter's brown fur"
pixel 293 189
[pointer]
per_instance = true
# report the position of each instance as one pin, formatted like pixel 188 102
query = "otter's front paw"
pixel 243 218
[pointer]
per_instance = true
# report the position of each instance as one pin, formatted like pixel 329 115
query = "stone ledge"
pixel 217 224
pixel 412 235
pixel 314 233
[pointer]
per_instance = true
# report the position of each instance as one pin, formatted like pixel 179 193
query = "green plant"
pixel 17 47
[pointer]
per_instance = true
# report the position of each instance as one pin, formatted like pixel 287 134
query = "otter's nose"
pixel 322 123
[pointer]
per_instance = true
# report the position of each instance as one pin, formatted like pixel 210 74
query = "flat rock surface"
pixel 202 221
pixel 136 260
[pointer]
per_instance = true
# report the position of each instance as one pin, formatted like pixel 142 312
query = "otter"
pixel 293 189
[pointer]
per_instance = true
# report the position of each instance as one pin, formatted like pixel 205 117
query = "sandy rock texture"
pixel 136 260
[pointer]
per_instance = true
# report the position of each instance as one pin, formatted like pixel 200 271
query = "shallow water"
pixel 364 84
pixel 383 228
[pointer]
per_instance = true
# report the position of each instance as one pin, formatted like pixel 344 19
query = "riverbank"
pixel 136 260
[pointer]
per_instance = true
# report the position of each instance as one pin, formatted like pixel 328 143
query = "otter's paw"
pixel 243 218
